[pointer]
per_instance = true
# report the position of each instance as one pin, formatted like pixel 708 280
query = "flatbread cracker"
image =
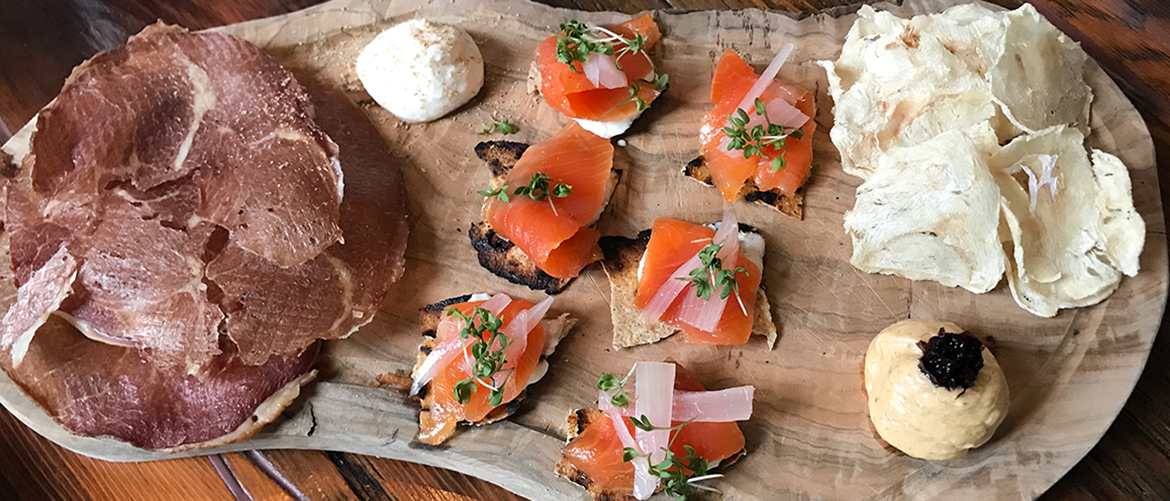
pixel 630 328
pixel 1039 79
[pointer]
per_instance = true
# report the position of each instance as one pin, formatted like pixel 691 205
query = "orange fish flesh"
pixel 732 80
pixel 672 243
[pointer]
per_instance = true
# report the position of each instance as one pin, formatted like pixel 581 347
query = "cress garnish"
pixel 678 474
pixel 578 40
pixel 503 125
pixel 711 276
pixel 752 141
pixel 609 382
pixel 486 360
pixel 540 186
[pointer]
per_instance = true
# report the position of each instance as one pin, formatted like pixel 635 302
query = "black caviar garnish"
pixel 951 360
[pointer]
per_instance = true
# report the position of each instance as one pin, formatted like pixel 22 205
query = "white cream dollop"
pixel 911 413
pixel 420 70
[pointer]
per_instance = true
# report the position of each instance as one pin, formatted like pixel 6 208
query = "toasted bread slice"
pixel 791 206
pixel 496 253
pixel 429 317
pixel 577 422
pixel 630 328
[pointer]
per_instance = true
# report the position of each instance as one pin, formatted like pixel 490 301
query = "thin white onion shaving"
pixel 784 114
pixel 722 406
pixel 749 99
pixel 450 345
pixel 704 314
pixel 602 72
pixel 780 112
pixel 516 331
pixel 644 483
pixel 654 403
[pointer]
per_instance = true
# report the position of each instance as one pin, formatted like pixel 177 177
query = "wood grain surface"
pixel 1130 461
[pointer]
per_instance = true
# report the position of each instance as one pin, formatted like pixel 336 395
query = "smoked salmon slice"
pixel 442 407
pixel 553 231
pixel 672 244
pixel 730 173
pixel 596 452
pixel 567 87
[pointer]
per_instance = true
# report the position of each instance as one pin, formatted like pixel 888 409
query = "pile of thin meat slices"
pixel 187 226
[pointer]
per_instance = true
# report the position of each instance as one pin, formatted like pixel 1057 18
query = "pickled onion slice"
pixel 722 406
pixel 704 314
pixel 766 79
pixel 602 72
pixel 644 483
pixel 450 344
pixel 654 403
pixel 517 332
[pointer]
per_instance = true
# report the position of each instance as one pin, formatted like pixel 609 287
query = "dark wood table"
pixel 41 41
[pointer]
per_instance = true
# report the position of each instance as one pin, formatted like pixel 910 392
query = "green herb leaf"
pixel 609 382
pixel 710 276
pixel 753 141
pixel 629 453
pixel 676 473
pixel 487 354
pixel 540 186
pixel 463 390
pixel 500 193
pixel 503 125
pixel 661 82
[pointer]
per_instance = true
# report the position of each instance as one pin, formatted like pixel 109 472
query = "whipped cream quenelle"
pixel 420 70
pixel 920 418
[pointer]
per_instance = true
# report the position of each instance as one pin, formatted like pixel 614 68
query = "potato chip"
pixel 894 86
pixel 1124 229
pixel 930 212
pixel 1039 79
pixel 972 32
pixel 1069 231
pixel 922 106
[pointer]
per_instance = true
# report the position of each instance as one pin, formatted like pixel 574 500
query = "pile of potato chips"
pixel 968 130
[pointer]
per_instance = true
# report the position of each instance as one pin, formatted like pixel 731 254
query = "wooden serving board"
pixel 810 435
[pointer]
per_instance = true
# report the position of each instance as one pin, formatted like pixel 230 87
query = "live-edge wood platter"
pixel 810 435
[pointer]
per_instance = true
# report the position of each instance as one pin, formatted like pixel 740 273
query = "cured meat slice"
pixel 149 296
pixel 172 105
pixel 195 339
pixel 31 247
pixel 96 389
pixel 271 310
pixel 38 298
